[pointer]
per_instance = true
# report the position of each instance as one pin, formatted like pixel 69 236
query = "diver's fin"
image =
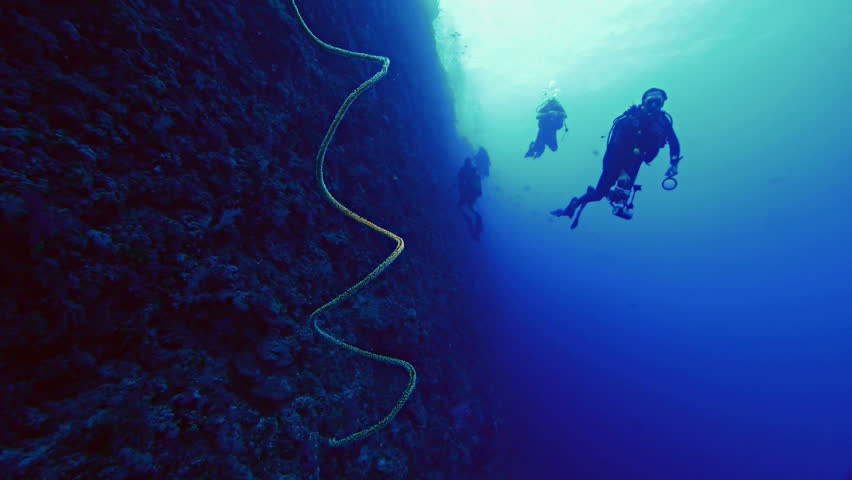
pixel 577 218
pixel 572 207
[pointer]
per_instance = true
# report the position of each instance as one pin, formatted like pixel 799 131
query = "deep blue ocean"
pixel 710 337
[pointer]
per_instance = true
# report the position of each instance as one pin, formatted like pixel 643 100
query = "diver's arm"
pixel 674 152
pixel 674 146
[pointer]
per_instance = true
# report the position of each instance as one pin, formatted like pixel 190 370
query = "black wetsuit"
pixel 470 188
pixel 551 117
pixel 635 129
pixel 470 185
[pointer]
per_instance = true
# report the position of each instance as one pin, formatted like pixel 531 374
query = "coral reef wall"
pixel 165 242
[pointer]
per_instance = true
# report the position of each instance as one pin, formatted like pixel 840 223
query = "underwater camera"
pixel 621 198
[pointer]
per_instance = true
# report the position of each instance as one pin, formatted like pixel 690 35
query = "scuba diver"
pixel 551 117
pixel 635 137
pixel 470 189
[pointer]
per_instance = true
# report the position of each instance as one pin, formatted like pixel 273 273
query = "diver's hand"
pixel 672 171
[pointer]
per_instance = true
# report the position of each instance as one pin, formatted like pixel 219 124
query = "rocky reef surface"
pixel 166 241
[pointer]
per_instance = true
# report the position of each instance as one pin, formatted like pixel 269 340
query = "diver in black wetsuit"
pixel 636 136
pixel 470 189
pixel 551 117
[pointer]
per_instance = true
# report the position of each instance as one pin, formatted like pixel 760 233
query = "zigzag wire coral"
pixel 400 244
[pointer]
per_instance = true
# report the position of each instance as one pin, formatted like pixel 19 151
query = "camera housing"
pixel 621 198
pixel 623 212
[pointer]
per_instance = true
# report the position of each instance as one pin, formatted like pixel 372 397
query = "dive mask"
pixel 653 102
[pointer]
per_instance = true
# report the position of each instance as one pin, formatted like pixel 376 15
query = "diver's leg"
pixel 605 182
pixel 477 224
pixel 474 221
pixel 632 170
pixel 537 147
pixel 612 166
pixel 467 212
pixel 550 139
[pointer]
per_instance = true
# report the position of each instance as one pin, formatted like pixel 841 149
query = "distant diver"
pixel 635 137
pixel 470 189
pixel 551 117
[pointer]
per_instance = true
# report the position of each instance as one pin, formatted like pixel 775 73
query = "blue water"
pixel 711 336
